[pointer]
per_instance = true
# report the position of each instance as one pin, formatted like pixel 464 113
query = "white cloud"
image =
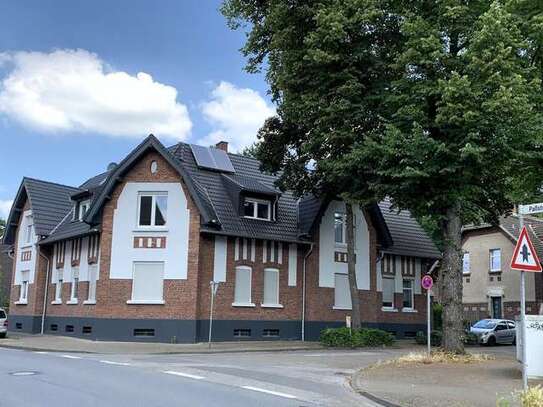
pixel 235 114
pixel 5 207
pixel 74 90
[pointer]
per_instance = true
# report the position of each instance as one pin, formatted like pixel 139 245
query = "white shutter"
pixel 92 283
pixel 292 263
pixel 271 286
pixel 242 293
pixel 342 293
pixel 388 291
pixel 147 285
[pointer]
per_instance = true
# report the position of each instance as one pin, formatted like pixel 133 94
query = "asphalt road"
pixel 251 379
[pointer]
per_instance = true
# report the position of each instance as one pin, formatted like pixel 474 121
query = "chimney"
pixel 222 145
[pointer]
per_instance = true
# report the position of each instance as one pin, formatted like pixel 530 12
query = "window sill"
pixel 26 246
pixel 342 308
pixel 271 306
pixel 56 302
pixel 243 304
pixel 150 229
pixel 253 218
pixel 89 302
pixel 494 271
pixel 409 310
pixel 145 302
pixel 21 302
pixel 389 309
pixel 72 302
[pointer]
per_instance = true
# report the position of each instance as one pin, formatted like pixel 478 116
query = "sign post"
pixel 214 285
pixel 427 283
pixel 525 259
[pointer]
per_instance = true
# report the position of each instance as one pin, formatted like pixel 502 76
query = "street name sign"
pixel 524 256
pixel 530 209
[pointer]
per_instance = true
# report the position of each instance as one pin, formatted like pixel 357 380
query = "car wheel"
pixel 3 335
pixel 491 341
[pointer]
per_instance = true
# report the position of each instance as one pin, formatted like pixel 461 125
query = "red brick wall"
pixel 180 296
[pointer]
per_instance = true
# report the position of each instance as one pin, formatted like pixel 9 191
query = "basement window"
pixel 69 328
pixel 270 333
pixel 144 332
pixel 18 325
pixel 242 333
pixel 53 327
pixel 87 330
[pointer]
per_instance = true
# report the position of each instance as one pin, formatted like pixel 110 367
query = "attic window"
pixel 257 209
pixel 83 208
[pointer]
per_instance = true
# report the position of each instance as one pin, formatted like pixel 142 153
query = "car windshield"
pixel 485 324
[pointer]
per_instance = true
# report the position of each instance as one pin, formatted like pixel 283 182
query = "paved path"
pixel 301 378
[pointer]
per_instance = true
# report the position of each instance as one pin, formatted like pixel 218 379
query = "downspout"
pixel 46 290
pixel 303 289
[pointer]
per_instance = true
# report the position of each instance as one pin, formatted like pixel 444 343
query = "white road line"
pixel 190 376
pixel 274 393
pixel 70 357
pixel 110 362
pixel 41 353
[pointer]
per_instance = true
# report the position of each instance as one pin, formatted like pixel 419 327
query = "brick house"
pixel 130 253
pixel 491 288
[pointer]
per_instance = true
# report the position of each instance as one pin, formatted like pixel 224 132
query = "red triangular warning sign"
pixel 524 257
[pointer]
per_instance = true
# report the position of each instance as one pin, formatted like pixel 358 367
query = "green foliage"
pixel 470 339
pixel 250 151
pixel 437 312
pixel 2 227
pixel 347 338
pixel 435 338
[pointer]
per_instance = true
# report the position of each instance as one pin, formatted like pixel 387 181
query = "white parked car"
pixel 3 323
pixel 493 331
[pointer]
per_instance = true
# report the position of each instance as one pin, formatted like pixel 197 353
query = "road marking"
pixel 41 353
pixel 190 376
pixel 70 357
pixel 110 362
pixel 274 393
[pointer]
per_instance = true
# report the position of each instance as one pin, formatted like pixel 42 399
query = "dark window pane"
pixel 263 210
pixel 249 209
pixel 161 208
pixel 338 228
pixel 145 210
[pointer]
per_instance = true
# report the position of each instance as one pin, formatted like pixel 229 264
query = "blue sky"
pixel 81 83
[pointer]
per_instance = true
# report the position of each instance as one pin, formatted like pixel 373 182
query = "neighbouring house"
pixel 491 288
pixel 130 254
pixel 6 266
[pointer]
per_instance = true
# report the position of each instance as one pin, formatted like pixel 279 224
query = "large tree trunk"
pixel 451 274
pixel 351 270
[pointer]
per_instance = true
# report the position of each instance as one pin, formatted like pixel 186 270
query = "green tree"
pixel 250 151
pixel 325 76
pixel 2 227
pixel 435 104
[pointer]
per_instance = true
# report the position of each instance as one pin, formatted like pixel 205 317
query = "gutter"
pixel 46 290
pixel 303 289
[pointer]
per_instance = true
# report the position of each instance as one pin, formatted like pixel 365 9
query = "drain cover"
pixel 24 373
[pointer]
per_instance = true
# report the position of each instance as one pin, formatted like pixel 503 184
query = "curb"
pixel 173 352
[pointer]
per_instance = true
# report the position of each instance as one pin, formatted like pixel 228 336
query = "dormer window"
pixel 257 208
pixel 83 208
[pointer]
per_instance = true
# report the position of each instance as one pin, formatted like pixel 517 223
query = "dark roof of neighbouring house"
pixel 510 226
pixel 50 202
pixel 408 236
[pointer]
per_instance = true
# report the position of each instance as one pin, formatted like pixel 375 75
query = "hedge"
pixel 347 338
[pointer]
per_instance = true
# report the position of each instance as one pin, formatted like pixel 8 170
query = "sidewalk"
pixel 440 384
pixel 53 343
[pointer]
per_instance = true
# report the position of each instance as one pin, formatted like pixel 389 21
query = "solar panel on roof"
pixel 211 158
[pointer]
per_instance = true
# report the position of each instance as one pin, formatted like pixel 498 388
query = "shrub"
pixel 437 312
pixel 532 397
pixel 435 338
pixel 470 339
pixel 347 338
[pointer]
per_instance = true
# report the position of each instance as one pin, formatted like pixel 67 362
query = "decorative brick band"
pixel 149 242
pixel 26 255
pixel 341 257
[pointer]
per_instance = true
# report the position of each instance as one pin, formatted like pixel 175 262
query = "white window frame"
pixel 466 259
pixel 23 294
pixel 392 306
pixel 93 278
pixel 83 204
pixel 29 229
pixel 343 216
pixel 491 257
pixel 257 202
pixel 58 291
pixel 276 304
pixel 74 288
pixel 153 195
pixel 412 308
pixel 144 301
pixel 341 306
pixel 250 302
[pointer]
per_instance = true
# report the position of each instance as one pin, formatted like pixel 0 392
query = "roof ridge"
pixel 50 182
